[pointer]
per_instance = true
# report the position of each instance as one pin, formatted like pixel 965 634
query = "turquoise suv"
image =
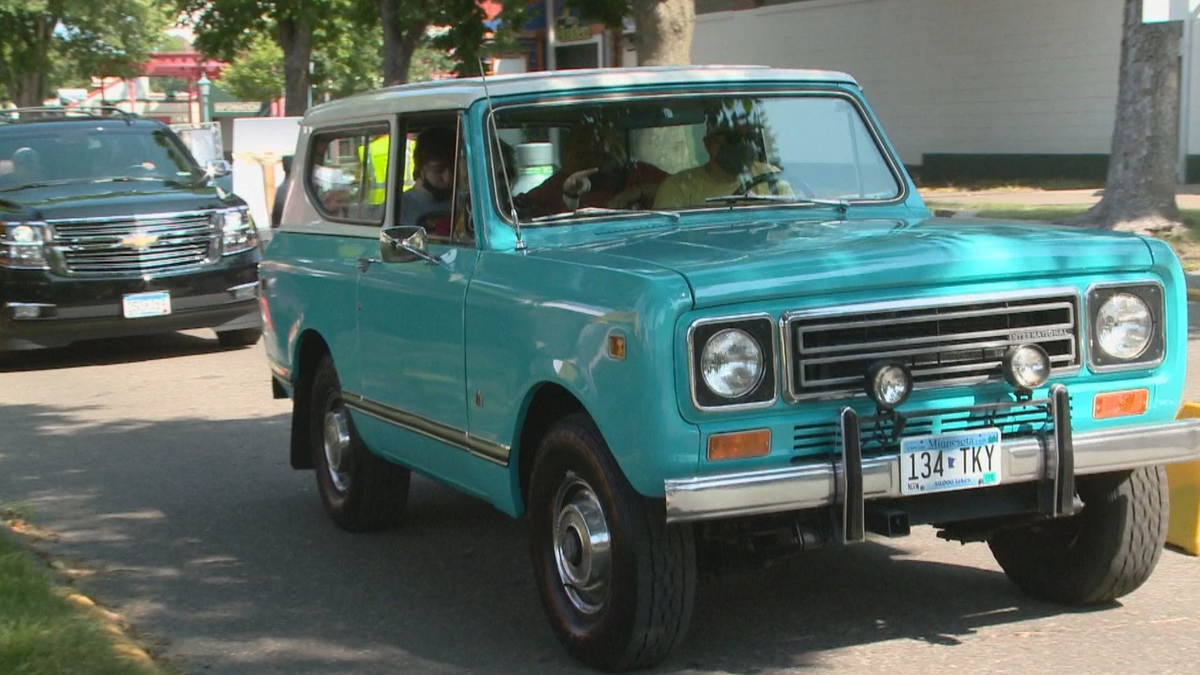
pixel 680 317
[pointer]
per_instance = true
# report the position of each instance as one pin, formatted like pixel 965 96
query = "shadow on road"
pixel 109 352
pixel 199 530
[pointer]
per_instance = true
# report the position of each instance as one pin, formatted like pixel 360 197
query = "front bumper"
pixel 223 297
pixel 849 480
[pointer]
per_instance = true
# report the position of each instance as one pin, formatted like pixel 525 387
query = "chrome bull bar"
pixel 849 480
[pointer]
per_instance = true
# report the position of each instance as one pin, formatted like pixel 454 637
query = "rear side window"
pixel 348 173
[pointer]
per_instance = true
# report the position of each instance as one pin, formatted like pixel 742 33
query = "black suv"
pixel 109 228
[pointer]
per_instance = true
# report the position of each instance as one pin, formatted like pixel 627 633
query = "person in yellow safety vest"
pixel 380 151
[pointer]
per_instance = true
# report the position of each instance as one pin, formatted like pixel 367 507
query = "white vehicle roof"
pixel 460 93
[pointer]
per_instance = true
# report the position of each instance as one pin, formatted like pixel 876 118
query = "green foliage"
pixel 41 633
pixel 428 63
pixel 47 41
pixel 347 53
pixel 257 73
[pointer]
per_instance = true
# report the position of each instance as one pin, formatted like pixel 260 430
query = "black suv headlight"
pixel 23 245
pixel 732 362
pixel 238 233
pixel 1125 324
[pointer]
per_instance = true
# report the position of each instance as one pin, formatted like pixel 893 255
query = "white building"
pixel 964 88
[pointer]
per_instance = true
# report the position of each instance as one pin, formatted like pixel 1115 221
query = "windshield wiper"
pixel 172 182
pixel 600 211
pixel 840 204
pixel 37 184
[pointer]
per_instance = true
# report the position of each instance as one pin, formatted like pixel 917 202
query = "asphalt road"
pixel 159 468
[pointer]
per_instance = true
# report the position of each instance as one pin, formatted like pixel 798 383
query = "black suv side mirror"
pixel 216 168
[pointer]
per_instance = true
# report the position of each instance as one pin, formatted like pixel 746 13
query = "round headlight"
pixel 888 384
pixel 731 363
pixel 1124 326
pixel 1026 367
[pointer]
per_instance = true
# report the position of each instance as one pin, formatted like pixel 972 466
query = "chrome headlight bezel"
pixel 760 328
pixel 31 238
pixel 238 231
pixel 1152 295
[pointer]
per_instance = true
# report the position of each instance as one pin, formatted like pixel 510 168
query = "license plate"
pixel 945 462
pixel 139 305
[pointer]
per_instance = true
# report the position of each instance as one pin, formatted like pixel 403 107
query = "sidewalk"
pixel 1187 197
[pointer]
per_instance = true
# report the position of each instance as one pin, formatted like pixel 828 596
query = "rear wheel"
pixel 242 337
pixel 616 581
pixel 1105 551
pixel 360 490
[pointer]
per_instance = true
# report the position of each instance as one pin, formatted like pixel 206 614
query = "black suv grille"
pixel 171 242
pixel 962 340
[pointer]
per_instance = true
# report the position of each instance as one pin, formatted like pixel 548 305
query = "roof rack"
pixel 50 113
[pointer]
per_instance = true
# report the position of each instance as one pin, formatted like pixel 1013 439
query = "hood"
pixel 726 264
pixel 102 200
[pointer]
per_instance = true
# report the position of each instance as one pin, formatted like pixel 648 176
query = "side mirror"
pixel 405 243
pixel 217 168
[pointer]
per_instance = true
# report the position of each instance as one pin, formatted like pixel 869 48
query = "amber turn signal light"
pixel 739 445
pixel 616 347
pixel 1120 403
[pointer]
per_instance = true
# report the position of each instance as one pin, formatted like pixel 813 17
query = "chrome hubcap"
pixel 337 448
pixel 581 545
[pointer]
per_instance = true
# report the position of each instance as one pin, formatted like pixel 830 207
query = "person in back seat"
pixel 427 204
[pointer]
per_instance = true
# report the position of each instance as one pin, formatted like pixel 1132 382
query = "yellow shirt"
pixel 691 187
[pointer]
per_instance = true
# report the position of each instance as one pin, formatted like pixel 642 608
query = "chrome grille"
pixel 962 340
pixel 1019 421
pixel 162 243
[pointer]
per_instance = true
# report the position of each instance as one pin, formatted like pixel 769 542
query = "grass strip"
pixel 1048 213
pixel 44 632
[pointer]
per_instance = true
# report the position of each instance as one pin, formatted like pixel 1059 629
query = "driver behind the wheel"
pixel 734 141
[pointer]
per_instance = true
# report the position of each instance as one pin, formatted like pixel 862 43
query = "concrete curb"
pixel 112 623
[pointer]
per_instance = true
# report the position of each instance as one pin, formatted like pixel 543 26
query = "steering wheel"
pixel 772 178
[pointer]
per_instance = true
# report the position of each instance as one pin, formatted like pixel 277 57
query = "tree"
pixel 664 27
pixel 225 27
pixel 1139 194
pixel 41 40
pixel 257 73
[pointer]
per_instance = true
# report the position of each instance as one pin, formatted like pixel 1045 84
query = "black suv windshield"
pixel 37 154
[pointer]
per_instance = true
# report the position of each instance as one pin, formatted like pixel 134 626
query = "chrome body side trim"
pixel 816 484
pixel 459 438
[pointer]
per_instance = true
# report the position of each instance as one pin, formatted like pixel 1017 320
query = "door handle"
pixel 365 263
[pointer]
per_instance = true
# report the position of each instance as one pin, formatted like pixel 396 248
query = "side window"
pixel 431 182
pixel 348 173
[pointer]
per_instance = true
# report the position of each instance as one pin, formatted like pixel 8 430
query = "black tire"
pixel 366 492
pixel 634 615
pixel 1105 551
pixel 242 337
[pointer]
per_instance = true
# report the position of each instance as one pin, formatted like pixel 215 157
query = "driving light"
pixel 1026 367
pixel 1124 326
pixel 731 363
pixel 888 384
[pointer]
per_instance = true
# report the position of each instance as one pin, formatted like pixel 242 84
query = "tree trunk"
pixel 399 43
pixel 31 90
pixel 1139 194
pixel 664 31
pixel 295 38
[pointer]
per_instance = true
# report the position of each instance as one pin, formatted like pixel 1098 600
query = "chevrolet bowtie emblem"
pixel 140 241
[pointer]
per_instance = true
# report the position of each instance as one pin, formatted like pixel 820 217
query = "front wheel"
pixel 1105 551
pixel 616 581
pixel 360 490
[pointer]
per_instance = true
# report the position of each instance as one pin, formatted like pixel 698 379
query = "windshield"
pixel 678 154
pixel 82 153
